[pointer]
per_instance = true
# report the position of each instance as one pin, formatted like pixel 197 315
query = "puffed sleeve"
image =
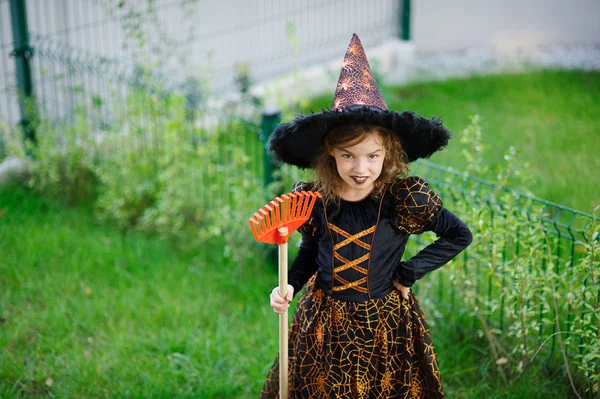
pixel 305 264
pixel 419 210
pixel 415 203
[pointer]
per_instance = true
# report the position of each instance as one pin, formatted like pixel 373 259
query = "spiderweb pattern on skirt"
pixel 380 348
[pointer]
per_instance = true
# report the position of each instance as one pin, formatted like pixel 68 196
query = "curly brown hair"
pixel 329 182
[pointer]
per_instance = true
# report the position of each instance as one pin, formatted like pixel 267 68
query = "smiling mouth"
pixel 359 179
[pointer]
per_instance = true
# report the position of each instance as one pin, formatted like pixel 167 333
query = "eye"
pixel 373 156
pixel 346 156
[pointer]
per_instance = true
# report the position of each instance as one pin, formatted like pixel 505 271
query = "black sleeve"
pixel 305 264
pixel 454 236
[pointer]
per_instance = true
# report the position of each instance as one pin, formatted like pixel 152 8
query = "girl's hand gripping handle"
pixel 280 304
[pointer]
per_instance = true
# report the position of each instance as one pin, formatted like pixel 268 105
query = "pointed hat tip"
pixel 355 39
pixel 356 84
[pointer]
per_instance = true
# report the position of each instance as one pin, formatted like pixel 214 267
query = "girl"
pixel 358 331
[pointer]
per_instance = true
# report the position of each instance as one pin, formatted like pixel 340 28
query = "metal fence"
pixel 217 47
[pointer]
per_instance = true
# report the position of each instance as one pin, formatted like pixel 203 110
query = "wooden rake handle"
pixel 273 224
pixel 283 317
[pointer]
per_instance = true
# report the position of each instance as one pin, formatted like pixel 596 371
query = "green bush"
pixel 156 168
pixel 146 139
pixel 59 162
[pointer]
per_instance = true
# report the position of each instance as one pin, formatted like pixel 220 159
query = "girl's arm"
pixel 305 264
pixel 454 236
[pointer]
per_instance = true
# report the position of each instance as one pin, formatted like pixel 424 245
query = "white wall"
pixel 505 24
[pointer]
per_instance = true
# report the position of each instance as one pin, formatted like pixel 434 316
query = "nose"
pixel 360 166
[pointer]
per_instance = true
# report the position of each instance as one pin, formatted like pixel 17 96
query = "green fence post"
pixel 405 19
pixel 271 118
pixel 22 53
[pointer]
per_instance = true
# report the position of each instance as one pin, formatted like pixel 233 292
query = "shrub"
pixel 155 167
pixel 59 161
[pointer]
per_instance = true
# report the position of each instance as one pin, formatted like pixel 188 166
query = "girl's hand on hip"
pixel 404 291
pixel 280 304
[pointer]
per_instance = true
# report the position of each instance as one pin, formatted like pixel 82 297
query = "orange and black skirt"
pixel 380 349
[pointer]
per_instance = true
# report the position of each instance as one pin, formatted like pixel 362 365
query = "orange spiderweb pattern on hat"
pixel 356 85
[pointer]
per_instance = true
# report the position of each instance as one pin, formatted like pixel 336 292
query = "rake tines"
pixel 290 210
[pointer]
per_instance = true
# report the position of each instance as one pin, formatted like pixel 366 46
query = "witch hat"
pixel 357 100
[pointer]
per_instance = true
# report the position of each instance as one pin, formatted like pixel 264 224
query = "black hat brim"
pixel 298 142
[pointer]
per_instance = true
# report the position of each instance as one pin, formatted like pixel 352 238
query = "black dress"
pixel 352 334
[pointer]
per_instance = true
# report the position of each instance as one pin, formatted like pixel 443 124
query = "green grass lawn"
pixel 88 312
pixel 551 117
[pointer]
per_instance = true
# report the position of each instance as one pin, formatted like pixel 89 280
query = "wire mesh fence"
pixel 217 47
pixel 527 277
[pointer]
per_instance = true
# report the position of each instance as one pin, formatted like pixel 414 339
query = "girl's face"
pixel 359 166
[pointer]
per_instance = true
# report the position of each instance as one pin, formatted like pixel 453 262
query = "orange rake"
pixel 273 224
